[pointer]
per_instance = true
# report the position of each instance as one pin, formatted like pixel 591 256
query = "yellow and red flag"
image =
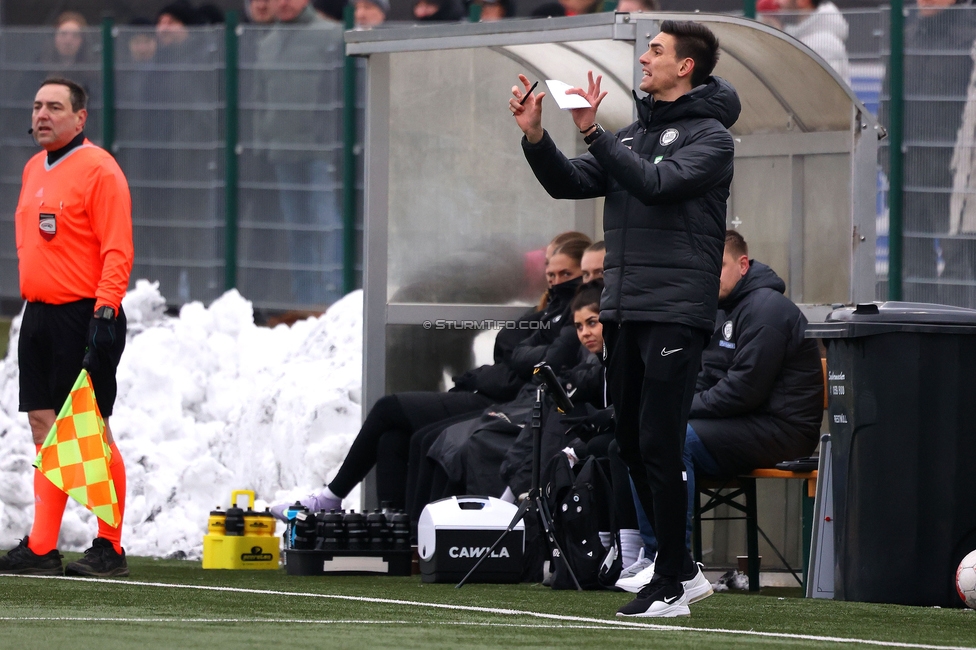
pixel 75 455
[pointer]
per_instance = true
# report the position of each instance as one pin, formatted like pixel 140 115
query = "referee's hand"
pixel 101 338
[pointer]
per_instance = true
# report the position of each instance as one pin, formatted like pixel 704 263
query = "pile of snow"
pixel 207 403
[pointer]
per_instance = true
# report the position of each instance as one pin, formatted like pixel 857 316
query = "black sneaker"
pixel 660 598
pixel 22 560
pixel 100 561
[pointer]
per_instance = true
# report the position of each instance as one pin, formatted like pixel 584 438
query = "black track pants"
pixel 651 373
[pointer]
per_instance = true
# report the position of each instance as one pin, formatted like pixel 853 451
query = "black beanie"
pixel 182 11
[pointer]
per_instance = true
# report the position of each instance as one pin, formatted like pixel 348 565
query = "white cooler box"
pixel 454 533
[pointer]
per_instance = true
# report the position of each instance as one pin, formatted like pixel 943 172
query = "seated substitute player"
pixel 759 396
pixel 74 246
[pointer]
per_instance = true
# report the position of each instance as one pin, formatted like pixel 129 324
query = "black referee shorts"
pixel 52 346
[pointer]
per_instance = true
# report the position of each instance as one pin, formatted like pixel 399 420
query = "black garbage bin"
pixel 901 381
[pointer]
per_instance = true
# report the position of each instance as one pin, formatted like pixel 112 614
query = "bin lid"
pixel 870 318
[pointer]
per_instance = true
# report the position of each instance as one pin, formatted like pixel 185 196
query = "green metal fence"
pixel 233 142
pixel 263 140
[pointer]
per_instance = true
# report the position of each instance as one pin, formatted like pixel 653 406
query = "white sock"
pixel 630 545
pixel 606 538
pixel 508 495
pixel 329 494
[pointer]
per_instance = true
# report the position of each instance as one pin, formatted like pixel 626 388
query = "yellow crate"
pixel 240 552
pixel 222 551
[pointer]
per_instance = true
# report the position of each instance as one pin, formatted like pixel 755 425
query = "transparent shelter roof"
pixel 785 87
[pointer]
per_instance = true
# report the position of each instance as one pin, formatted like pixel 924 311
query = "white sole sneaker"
pixel 663 609
pixel 698 588
pixel 636 582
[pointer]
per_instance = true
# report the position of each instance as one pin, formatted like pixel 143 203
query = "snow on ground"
pixel 208 403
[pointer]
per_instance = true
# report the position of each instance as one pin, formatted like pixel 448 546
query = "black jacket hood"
pixel 716 98
pixel 759 276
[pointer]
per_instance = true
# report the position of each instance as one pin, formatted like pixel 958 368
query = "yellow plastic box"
pixel 222 551
pixel 240 552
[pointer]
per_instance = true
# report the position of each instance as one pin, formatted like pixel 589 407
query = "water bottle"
pixel 357 537
pixel 304 530
pixel 234 521
pixel 331 535
pixel 376 525
pixel 401 531
pixel 217 523
pixel 290 515
pixel 257 524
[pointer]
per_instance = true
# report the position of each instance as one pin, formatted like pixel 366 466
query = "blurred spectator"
pixel 638 6
pixel 69 54
pixel 295 138
pixel 259 12
pixel 185 168
pixel 960 254
pixel 937 70
pixel 142 44
pixel 210 14
pixel 581 7
pixel 438 10
pixel 173 21
pixel 68 39
pixel 823 29
pixel 331 9
pixel 370 13
pixel 134 78
pixel 548 10
pixel 492 10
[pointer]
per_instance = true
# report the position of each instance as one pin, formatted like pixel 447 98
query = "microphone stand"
pixel 534 501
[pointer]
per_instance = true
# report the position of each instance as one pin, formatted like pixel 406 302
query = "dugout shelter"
pixel 452 209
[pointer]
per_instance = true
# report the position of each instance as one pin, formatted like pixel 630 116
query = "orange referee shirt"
pixel 74 229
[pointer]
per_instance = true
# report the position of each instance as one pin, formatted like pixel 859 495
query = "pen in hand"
pixel 522 101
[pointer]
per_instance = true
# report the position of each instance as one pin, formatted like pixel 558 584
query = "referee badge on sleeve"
pixel 48 225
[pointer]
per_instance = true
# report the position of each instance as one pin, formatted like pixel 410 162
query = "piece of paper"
pixel 557 90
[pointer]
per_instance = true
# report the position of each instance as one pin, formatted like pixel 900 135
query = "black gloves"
pixel 593 423
pixel 101 338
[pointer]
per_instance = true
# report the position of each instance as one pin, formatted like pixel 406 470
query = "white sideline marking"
pixel 277 621
pixel 629 624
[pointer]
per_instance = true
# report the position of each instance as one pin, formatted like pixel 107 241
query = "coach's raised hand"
pixel 585 118
pixel 527 109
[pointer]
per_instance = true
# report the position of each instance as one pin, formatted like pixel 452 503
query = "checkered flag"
pixel 75 455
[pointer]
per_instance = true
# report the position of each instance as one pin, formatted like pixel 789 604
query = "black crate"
pixel 347 563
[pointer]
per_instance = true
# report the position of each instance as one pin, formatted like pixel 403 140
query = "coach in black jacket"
pixel 759 399
pixel 666 180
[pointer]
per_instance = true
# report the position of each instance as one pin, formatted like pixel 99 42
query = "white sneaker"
pixel 640 564
pixel 698 588
pixel 314 502
pixel 638 578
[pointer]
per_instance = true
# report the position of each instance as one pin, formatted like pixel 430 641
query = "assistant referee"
pixel 74 246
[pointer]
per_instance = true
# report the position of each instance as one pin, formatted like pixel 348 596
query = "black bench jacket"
pixel 759 396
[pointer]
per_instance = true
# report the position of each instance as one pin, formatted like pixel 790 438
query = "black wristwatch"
pixel 105 313
pixel 597 132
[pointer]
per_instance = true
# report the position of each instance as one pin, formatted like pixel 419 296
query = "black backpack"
pixel 581 505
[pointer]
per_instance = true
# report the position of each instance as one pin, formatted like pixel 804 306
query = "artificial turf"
pixel 162 617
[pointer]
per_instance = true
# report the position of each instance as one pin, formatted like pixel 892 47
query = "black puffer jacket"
pixel 544 343
pixel 666 179
pixel 759 397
